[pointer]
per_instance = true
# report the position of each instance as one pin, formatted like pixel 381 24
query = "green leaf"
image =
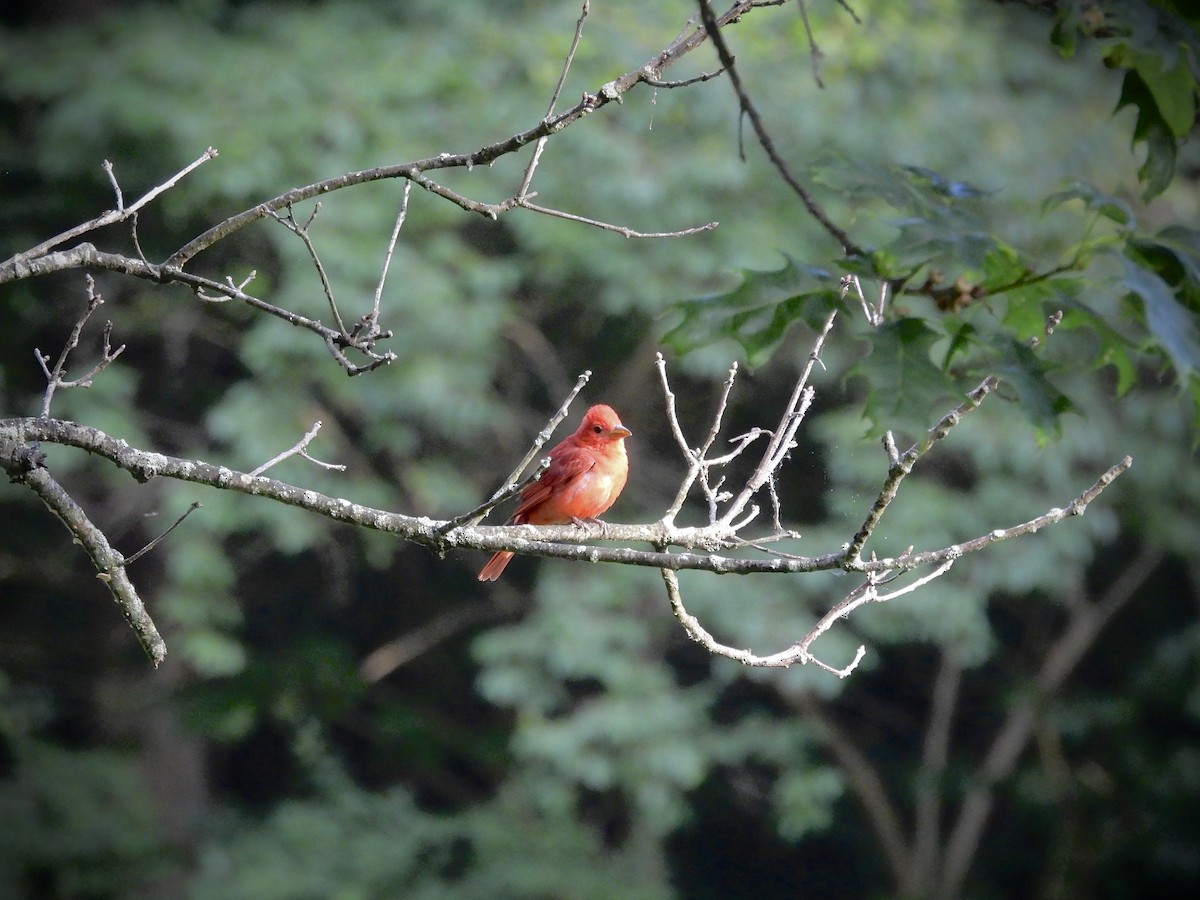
pixel 937 185
pixel 1094 200
pixel 903 383
pixel 913 190
pixel 1042 403
pixel 757 313
pixel 1172 87
pixel 1115 345
pixel 1004 265
pixel 1025 313
pixel 1152 130
pixel 961 339
pixel 1183 244
pixel 1173 324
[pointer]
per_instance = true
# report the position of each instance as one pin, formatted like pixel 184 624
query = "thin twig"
pixel 55 376
pixel 697 462
pixel 511 490
pixel 299 448
pixel 538 442
pixel 113 216
pixel 619 229
pixel 301 231
pixel 391 247
pixel 814 51
pixel 781 442
pixel 133 236
pixel 901 466
pixel 868 592
pixel 527 178
pixel 682 82
pixel 814 209
pixel 107 166
pixel 874 313
pixel 566 67
pixel 129 560
pixel 234 288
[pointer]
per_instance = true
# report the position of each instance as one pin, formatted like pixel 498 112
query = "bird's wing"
pixel 566 465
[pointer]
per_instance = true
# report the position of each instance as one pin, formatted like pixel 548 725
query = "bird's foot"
pixel 591 525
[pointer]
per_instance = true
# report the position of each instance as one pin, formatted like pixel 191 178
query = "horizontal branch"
pixel 87 255
pixel 552 541
pixel 120 214
pixel 650 72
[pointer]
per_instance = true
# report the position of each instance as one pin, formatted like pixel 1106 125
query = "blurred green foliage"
pixel 572 742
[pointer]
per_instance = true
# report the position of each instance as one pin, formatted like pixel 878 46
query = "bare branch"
pixel 391 247
pixel 868 592
pixel 697 633
pixel 697 463
pixel 55 377
pixel 899 467
pixel 154 543
pixel 27 467
pixel 133 236
pixel 120 214
pixel 527 179
pixel 301 231
pixel 609 92
pixel 682 82
pixel 509 490
pixel 88 255
pixel 553 541
pixel 299 448
pixel 799 652
pixel 713 26
pixel 619 229
pixel 781 442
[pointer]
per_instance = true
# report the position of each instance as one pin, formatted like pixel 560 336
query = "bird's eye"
pixel 598 429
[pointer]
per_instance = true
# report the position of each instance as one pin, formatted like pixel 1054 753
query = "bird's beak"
pixel 620 432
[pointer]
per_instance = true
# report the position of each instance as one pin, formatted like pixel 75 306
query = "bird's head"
pixel 601 426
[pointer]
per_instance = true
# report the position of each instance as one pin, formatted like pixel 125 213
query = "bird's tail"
pixel 495 566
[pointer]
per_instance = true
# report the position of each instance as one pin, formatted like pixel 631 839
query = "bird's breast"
pixel 585 497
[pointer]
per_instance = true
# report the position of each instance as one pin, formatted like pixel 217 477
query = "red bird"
pixel 586 474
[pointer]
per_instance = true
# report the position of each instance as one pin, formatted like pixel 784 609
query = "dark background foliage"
pixel 343 715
